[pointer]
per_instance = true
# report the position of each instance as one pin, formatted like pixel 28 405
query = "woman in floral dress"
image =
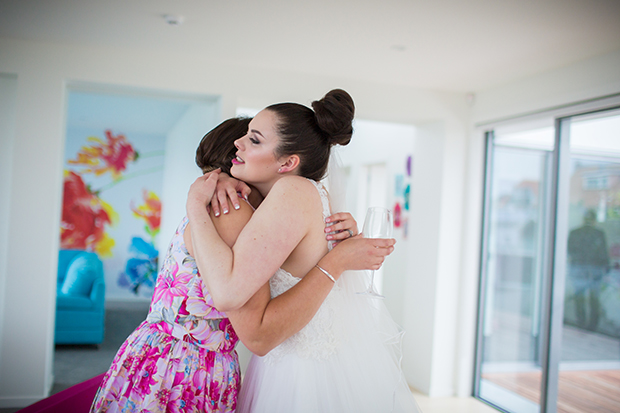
pixel 182 358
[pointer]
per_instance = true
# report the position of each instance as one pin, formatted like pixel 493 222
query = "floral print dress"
pixel 182 358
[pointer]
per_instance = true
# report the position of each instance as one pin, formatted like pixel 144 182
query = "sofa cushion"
pixel 73 302
pixel 64 259
pixel 81 273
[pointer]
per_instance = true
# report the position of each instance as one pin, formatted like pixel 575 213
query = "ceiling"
pixel 451 45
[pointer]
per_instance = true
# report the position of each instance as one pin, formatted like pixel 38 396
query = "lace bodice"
pixel 319 338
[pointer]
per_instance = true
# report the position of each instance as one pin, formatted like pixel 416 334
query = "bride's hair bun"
pixel 334 115
pixel 310 134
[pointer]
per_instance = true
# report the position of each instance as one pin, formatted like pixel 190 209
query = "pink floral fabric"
pixel 182 358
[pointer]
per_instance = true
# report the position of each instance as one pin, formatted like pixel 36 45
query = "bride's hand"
pixel 344 227
pixel 358 253
pixel 228 188
pixel 201 192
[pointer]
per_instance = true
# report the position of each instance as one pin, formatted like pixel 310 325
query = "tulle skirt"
pixel 360 374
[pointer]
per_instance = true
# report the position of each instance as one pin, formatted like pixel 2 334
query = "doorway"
pixel 129 161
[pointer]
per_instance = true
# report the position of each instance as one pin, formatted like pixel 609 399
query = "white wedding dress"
pixel 346 359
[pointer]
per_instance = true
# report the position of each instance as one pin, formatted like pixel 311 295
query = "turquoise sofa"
pixel 80 299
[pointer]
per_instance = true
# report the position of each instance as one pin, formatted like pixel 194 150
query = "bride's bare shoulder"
pixel 293 182
pixel 293 188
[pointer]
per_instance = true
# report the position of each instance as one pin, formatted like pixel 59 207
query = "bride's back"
pixel 313 246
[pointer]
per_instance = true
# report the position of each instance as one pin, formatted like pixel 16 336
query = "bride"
pixel 346 358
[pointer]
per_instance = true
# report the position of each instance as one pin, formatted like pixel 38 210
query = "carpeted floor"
pixel 74 364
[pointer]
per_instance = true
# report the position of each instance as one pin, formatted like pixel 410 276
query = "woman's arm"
pixel 262 323
pixel 276 228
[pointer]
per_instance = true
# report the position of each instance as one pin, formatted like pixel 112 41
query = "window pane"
pixel 510 371
pixel 590 367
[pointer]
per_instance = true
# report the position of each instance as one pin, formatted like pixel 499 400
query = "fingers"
pixel 383 252
pixel 211 183
pixel 342 221
pixel 359 253
pixel 222 197
pixel 211 178
pixel 215 206
pixel 338 236
pixel 382 242
pixel 215 172
pixel 378 250
pixel 199 189
pixel 342 227
pixel 338 216
pixel 243 189
pixel 378 257
pixel 226 194
pixel 227 190
pixel 234 198
pixel 201 192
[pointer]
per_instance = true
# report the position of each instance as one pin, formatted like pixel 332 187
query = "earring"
pixel 280 170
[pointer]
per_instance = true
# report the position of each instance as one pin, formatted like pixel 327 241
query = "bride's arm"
pixel 235 274
pixel 262 323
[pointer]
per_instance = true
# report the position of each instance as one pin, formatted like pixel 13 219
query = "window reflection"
pixel 590 356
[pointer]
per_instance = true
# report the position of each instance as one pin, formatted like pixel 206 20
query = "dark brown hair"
pixel 217 147
pixel 311 134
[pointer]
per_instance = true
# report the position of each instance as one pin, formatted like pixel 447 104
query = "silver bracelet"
pixel 326 273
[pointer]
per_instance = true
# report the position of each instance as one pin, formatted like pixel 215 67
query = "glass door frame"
pixel 489 136
pixel 557 237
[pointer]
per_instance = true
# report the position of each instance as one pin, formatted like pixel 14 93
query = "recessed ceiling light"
pixel 173 20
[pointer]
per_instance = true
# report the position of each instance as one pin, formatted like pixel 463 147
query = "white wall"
pixel 34 214
pixel 432 284
pixel 390 144
pixel 584 80
pixel 35 184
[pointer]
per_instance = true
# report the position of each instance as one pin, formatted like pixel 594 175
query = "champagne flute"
pixel 378 224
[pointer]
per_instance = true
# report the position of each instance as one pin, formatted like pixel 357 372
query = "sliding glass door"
pixel 549 314
pixel 517 206
pixel 589 370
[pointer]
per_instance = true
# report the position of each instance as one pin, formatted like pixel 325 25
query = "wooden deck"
pixel 578 392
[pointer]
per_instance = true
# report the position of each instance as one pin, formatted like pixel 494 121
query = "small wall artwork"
pixel 402 187
pixel 111 205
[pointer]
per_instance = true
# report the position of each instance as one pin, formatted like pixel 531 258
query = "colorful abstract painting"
pixel 402 194
pixel 111 206
pixel 141 269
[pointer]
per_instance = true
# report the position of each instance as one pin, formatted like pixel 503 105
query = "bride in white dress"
pixel 346 359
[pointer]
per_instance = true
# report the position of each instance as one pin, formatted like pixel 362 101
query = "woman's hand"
pixel 344 227
pixel 359 253
pixel 227 188
pixel 201 192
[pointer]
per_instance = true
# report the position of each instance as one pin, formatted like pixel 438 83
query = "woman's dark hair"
pixel 217 147
pixel 311 134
